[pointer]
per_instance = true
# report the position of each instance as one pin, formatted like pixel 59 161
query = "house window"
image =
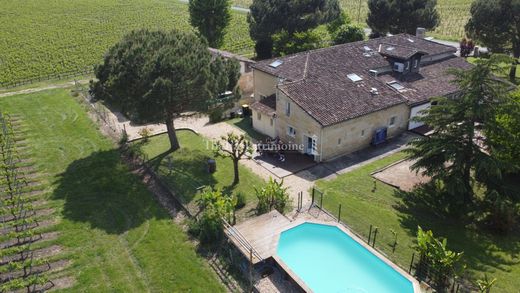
pixel 271 121
pixel 407 65
pixel 362 133
pixel 415 63
pixel 288 109
pixel 259 116
pixel 339 141
pixel 393 119
pixel 291 131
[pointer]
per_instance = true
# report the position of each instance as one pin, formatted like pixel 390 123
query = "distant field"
pixel 454 15
pixel 39 38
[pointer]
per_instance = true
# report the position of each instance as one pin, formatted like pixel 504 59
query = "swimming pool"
pixel 327 259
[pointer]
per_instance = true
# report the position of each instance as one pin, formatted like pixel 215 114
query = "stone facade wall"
pixel 355 134
pixel 265 84
pixel 264 123
pixel 302 122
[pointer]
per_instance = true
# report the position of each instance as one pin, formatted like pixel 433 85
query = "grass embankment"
pixel 116 236
pixel 189 170
pixel 484 253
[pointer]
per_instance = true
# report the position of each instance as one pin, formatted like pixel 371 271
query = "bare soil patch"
pixel 401 176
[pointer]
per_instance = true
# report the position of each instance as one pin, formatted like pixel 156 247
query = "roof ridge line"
pixel 306 65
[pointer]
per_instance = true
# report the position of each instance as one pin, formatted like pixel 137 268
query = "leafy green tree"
pixel 456 153
pixel 348 33
pixel 495 24
pixel 156 76
pixel 268 17
pixel 401 16
pixel 286 44
pixel 235 148
pixel 211 18
pixel 342 31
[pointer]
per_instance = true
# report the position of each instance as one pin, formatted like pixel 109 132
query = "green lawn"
pixel 483 253
pixel 504 72
pixel 116 235
pixel 246 125
pixel 39 38
pixel 189 169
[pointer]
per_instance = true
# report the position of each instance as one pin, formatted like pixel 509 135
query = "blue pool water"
pixel 328 260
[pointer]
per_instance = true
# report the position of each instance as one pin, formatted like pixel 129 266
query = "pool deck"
pixel 258 239
pixel 262 233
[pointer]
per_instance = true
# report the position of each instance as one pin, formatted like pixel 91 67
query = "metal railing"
pixel 232 232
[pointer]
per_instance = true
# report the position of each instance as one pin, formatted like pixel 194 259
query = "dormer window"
pixel 415 63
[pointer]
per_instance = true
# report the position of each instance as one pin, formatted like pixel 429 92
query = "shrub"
pixel 144 133
pixel 215 208
pixel 215 115
pixel 348 33
pixel 436 260
pixel 241 200
pixel 273 195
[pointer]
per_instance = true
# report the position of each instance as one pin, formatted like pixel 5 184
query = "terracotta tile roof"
pixel 399 52
pixel 266 105
pixel 318 80
pixel 433 80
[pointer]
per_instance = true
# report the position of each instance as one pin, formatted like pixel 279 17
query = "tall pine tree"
pixel 156 76
pixel 401 16
pixel 211 18
pixel 457 154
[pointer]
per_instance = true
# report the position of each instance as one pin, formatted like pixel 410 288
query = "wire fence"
pixel 387 243
pixel 51 76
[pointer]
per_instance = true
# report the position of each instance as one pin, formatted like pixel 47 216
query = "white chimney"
pixel 420 32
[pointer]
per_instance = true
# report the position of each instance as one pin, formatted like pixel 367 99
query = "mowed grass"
pixel 246 125
pixel 497 256
pixel 186 169
pixel 454 15
pixel 39 38
pixel 116 236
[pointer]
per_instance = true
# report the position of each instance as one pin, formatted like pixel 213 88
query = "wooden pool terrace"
pixel 258 239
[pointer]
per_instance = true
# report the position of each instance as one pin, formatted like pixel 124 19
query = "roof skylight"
pixel 397 86
pixel 276 63
pixel 354 77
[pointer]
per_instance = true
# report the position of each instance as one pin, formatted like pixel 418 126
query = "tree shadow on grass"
pixel 101 191
pixel 483 251
pixel 185 171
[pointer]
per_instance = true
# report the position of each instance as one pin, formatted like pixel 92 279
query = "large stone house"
pixel 340 99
